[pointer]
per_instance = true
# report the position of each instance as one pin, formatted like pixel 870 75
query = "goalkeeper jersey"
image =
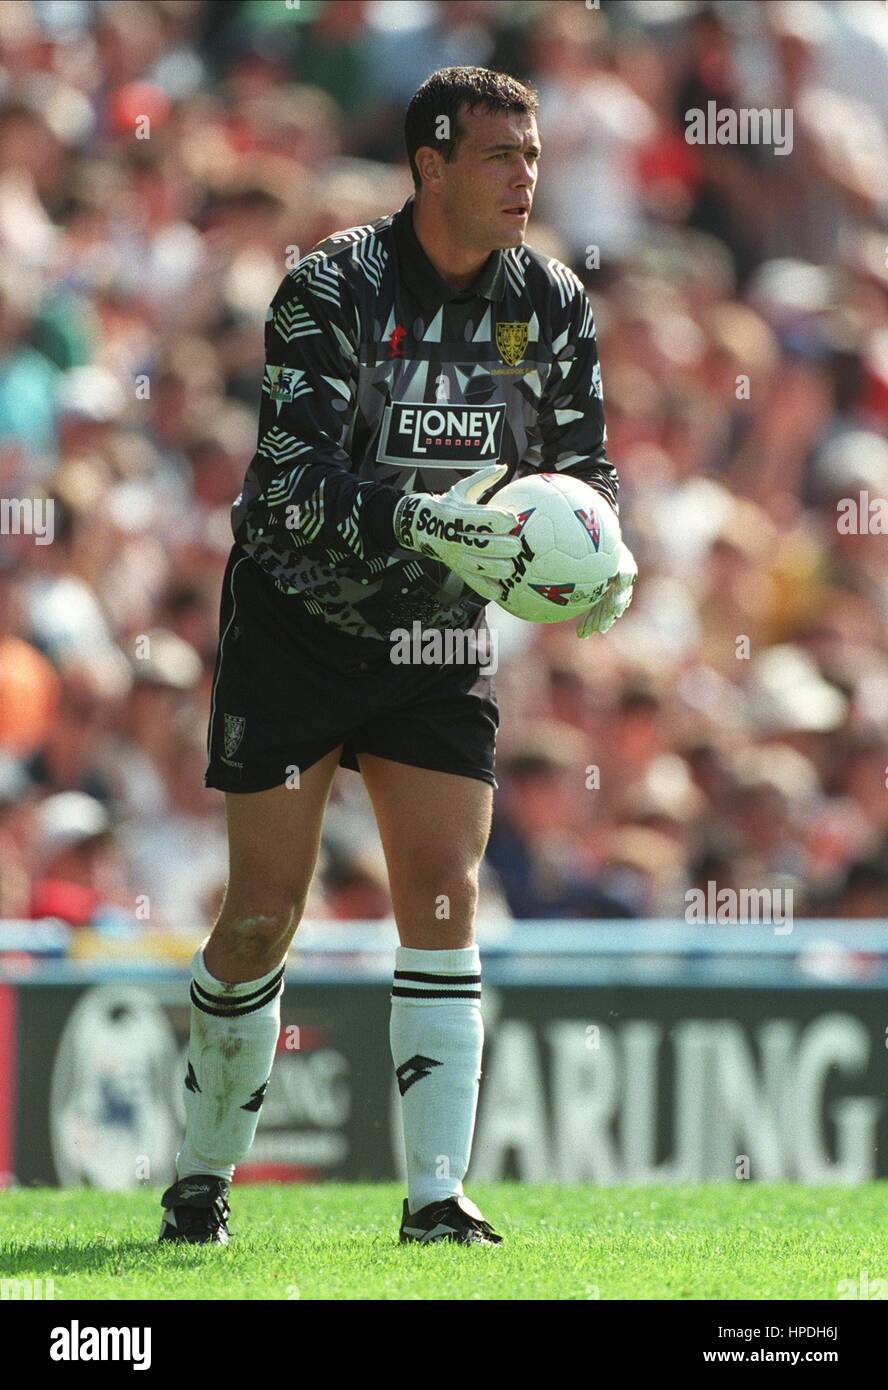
pixel 381 379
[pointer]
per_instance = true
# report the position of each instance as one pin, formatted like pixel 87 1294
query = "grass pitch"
pixel 734 1241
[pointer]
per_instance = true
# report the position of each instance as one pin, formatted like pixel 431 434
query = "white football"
pixel 570 547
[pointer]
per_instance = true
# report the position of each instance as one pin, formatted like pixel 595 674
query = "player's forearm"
pixel 316 507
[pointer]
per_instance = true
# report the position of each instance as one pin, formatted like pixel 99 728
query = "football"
pixel 570 547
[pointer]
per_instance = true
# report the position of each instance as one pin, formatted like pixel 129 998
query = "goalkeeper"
pixel 412 365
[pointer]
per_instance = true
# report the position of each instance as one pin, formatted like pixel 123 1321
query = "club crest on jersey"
pixel 511 342
pixel 416 433
pixel 589 519
pixel 233 732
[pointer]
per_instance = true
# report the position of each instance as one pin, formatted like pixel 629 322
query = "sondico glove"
pixel 603 614
pixel 452 527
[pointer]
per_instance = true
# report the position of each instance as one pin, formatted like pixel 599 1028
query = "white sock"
pixel 436 1038
pixel 234 1033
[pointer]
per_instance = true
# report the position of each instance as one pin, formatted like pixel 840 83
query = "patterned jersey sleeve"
pixel 300 494
pixel 570 434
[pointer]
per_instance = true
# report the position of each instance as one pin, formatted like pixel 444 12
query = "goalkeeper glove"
pixel 616 599
pixel 473 541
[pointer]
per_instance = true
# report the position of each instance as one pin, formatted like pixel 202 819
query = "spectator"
pixel 733 725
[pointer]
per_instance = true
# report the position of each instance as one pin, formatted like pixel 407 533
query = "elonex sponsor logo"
pixel 423 426
pixel 449 436
pixel 76 1343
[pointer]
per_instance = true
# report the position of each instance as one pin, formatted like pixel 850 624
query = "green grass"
pixel 734 1241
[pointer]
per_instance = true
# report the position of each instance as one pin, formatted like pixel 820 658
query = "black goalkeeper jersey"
pixel 381 379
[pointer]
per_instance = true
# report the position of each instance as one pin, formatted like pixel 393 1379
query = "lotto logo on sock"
pixel 415 1070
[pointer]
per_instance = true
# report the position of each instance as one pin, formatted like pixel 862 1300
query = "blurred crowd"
pixel 157 162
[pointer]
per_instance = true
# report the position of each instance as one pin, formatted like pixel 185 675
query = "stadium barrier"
pixel 615 1052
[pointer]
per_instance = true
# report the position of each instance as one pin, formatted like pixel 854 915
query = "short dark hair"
pixel 445 93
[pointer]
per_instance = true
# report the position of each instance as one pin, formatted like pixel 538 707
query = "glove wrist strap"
pixel 402 521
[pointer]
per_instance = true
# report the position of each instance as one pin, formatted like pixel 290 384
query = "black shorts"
pixel 288 688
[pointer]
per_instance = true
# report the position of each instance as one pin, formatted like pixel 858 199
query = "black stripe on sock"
pixel 236 1012
pixel 235 1001
pixel 399 993
pixel 442 979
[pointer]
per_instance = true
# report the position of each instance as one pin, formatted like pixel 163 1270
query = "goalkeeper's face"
pixel 492 175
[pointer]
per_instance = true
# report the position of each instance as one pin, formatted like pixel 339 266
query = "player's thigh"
pixel 434 826
pixel 274 836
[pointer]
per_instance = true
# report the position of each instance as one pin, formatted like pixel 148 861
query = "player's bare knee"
pixel 451 891
pixel 252 941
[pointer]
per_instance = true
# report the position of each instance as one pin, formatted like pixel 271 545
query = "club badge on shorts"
pixel 233 732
